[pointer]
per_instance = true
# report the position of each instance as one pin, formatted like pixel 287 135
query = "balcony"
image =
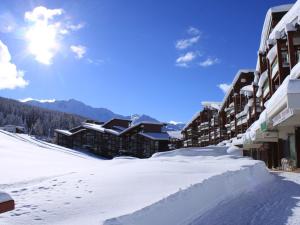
pixel 232 125
pixel 242 120
pixel 284 106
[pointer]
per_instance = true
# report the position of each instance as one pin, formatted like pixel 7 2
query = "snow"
pixel 212 105
pixel 234 150
pixel 175 134
pixel 233 83
pixel 65 132
pixel 276 204
pixel 290 17
pixel 58 186
pixel 266 26
pixel 272 53
pixel 156 136
pixel 4 197
pixel 295 72
pixel 247 90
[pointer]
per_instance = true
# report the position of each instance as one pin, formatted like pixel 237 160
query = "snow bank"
pixel 169 188
pixel 184 206
pixel 234 150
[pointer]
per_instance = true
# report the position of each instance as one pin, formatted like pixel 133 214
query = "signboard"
pixel 263 126
pixel 282 116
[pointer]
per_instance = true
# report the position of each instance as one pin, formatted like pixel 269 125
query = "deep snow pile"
pixel 55 185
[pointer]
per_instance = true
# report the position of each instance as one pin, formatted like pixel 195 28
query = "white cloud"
pixel 75 27
pixel 224 87
pixel 46 28
pixel 79 50
pixel 95 61
pixel 10 76
pixel 41 13
pixel 185 59
pixel 193 31
pixel 209 62
pixel 185 43
pixel 38 100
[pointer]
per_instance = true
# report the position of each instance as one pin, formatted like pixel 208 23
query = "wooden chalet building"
pixel 235 107
pixel 261 110
pixel 144 139
pixel 202 130
pixel 276 135
pixel 115 137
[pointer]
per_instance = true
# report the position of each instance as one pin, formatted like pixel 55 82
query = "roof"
pixel 107 122
pixel 140 123
pixel 156 136
pixel 289 17
pixel 196 115
pixel 68 133
pixel 238 74
pixel 213 105
pixel 175 134
pixel 268 18
pixel 266 26
pixel 100 128
pixel 65 132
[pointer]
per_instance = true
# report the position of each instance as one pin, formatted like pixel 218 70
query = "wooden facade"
pixel 116 137
pixel 249 115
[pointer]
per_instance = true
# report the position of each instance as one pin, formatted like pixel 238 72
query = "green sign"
pixel 263 126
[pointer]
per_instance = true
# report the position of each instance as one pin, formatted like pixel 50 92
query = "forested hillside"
pixel 37 121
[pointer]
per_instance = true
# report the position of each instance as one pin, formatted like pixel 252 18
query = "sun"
pixel 42 41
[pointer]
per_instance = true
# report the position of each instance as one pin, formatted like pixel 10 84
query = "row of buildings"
pixel 261 110
pixel 116 137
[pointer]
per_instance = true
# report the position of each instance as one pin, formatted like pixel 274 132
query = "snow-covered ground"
pixel 58 186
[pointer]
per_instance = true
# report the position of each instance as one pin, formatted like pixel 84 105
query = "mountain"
pixel 101 114
pixel 76 107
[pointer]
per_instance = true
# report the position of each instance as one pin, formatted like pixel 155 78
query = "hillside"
pixel 36 120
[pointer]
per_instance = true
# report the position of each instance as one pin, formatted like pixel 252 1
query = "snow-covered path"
pixel 275 204
pixel 59 186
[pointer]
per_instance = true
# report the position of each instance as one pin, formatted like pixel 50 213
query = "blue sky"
pixel 160 58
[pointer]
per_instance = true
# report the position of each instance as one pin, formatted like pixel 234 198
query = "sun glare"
pixel 42 41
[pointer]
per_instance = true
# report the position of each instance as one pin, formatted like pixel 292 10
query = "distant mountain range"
pixel 101 114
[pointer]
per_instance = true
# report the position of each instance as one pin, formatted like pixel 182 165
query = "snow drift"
pixel 59 186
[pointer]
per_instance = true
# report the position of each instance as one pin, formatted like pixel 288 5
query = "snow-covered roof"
pixel 107 122
pixel 141 123
pixel 100 128
pixel 175 134
pixel 4 197
pixel 191 121
pixel 290 17
pixel 247 90
pixel 65 132
pixel 267 23
pixel 234 82
pixel 156 136
pixel 212 105
pixel 93 126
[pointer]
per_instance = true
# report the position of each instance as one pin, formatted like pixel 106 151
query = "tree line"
pixel 37 121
